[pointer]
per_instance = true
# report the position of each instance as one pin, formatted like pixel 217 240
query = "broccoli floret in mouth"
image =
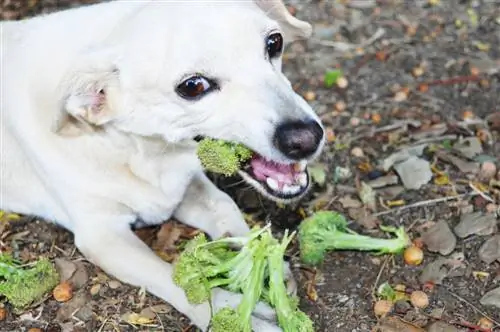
pixel 222 157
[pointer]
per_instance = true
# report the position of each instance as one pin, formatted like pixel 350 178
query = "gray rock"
pixel 439 238
pixel 403 155
pixel 476 223
pixel 414 172
pixel 490 250
pixel 492 298
pixel 469 147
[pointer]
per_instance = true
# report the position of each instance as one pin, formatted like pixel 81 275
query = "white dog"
pixel 101 107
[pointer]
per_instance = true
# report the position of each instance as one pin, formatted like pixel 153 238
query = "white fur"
pixel 96 165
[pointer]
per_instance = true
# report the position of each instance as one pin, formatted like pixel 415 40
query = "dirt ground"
pixel 417 72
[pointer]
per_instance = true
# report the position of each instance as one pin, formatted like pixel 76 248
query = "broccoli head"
pixel 226 319
pixel 222 157
pixel 327 230
pixel 290 317
pixel 23 286
pixel 204 265
pixel 255 270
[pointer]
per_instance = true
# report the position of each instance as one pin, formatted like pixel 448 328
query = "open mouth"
pixel 277 181
pixel 280 181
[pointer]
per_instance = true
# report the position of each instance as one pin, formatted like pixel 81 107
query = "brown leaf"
pixel 395 324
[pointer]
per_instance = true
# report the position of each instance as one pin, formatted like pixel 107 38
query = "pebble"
pixel 487 171
pixel 490 250
pixel 357 152
pixel 414 172
pixel 476 223
pixel 440 238
pixel 491 298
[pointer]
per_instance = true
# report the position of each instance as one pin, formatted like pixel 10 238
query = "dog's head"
pixel 191 69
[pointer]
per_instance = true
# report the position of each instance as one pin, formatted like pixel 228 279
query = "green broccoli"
pixel 327 230
pixel 23 286
pixel 204 265
pixel 290 317
pixel 255 270
pixel 222 157
pixel 251 284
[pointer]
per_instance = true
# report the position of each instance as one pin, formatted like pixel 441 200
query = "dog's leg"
pixel 108 242
pixel 206 207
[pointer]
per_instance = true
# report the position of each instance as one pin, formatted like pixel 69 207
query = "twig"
pixel 379 275
pixel 458 297
pixel 424 203
pixel 480 193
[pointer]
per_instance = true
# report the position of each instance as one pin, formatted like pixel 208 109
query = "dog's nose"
pixel 298 139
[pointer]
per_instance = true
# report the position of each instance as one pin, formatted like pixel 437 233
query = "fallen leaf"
pixel 395 324
pixel 318 173
pixel 368 196
pixel 330 78
pixel 136 319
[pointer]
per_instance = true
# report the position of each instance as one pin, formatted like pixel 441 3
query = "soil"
pixel 459 80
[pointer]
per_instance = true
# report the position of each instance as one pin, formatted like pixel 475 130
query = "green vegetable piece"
pixel 290 317
pixel 331 77
pixel 327 230
pixel 23 286
pixel 226 319
pixel 222 157
pixel 204 265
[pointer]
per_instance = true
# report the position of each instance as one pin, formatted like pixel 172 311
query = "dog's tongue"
pixel 263 169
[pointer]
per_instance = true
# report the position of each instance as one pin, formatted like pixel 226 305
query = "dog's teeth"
pixel 272 183
pixel 302 179
pixel 287 189
pixel 300 166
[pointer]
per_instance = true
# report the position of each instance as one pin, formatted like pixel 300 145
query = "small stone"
pixel 342 82
pixel 65 268
pixel 402 307
pixel 491 208
pixel 487 171
pixel 357 152
pixel 310 96
pixel 68 309
pixel 490 250
pixel 94 290
pixel 355 121
pixel 114 284
pixel 440 238
pixel 414 172
pixel 469 147
pixel 476 223
pixel 492 298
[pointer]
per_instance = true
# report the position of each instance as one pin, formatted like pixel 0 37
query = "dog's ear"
pixel 87 94
pixel 293 28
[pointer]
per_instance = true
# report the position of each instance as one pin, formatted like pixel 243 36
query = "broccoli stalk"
pixel 222 157
pixel 290 317
pixel 327 230
pixel 22 286
pixel 205 265
pixel 251 285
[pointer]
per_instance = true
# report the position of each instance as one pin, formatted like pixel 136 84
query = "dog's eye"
pixel 195 87
pixel 274 45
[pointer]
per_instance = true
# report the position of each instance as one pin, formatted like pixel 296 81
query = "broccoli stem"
pixel 354 241
pixel 253 285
